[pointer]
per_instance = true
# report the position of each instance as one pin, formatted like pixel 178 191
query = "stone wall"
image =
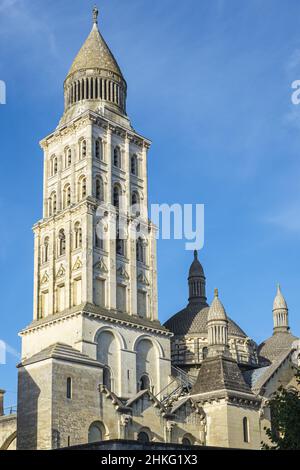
pixel 8 427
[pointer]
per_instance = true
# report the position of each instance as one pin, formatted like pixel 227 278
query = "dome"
pixel 192 320
pixel 216 310
pixel 196 269
pixel 270 349
pixel 279 301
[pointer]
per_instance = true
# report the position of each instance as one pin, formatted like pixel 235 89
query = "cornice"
pixel 101 121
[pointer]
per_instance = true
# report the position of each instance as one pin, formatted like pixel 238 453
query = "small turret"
pixel 217 326
pixel 280 312
pixel 197 282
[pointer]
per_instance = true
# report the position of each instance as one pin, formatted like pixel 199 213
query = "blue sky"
pixel 210 83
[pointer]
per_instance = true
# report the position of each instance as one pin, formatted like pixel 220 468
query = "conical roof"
pixel 279 301
pixel 95 54
pixel 216 310
pixel 196 268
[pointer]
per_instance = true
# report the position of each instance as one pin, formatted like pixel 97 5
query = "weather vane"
pixel 95 14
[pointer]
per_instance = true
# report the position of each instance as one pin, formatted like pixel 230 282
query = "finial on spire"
pixel 195 254
pixel 216 292
pixel 95 15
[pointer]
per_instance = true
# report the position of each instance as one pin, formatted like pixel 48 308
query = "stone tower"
pixel 95 279
pixel 280 313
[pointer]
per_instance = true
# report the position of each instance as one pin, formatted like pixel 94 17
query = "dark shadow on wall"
pixel 27 415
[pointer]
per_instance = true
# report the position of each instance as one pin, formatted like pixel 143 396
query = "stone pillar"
pixel 45 182
pixel 2 392
pixel 89 161
pixel 153 300
pixel 125 420
pixel 36 281
pixel 169 430
pixel 145 181
pixel 133 268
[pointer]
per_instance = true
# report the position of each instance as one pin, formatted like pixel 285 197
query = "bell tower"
pixel 95 247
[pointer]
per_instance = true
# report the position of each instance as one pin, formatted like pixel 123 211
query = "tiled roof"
pixel 273 347
pixel 61 351
pixel 220 373
pixel 95 54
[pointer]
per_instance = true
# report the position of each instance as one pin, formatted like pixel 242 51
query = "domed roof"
pixel 193 320
pixel 196 269
pixel 216 310
pixel 271 348
pixel 95 54
pixel 279 301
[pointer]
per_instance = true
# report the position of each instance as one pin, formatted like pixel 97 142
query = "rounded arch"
pixel 7 443
pixel 117 157
pixel 154 341
pixel 97 432
pixel 117 194
pixel 188 439
pixel 117 334
pixel 144 435
pixel 81 187
pixel 109 354
pixel 134 165
pixel 145 382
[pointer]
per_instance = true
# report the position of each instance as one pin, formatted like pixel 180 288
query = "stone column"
pixel 144 174
pixel 45 183
pixel 125 420
pixel 133 268
pixel 36 283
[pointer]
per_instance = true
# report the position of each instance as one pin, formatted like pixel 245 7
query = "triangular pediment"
pixel 77 264
pixel 61 271
pixel 101 266
pixel 122 273
pixel 142 279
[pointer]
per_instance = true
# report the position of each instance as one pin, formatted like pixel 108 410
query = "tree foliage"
pixel 284 433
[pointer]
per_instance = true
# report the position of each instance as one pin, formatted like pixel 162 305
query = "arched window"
pixel 61 242
pixel 120 245
pixel 82 149
pixel 98 149
pixel 204 352
pixel 140 250
pixel 46 250
pixel 246 429
pixel 187 441
pixel 77 236
pixel 143 437
pixel 52 204
pixel 69 157
pixel 145 382
pixel 67 196
pixel 69 388
pixel 116 196
pixel 107 377
pixel 96 432
pixel 53 165
pixel 117 157
pixel 134 165
pixel 99 189
pixel 82 188
pixel 135 203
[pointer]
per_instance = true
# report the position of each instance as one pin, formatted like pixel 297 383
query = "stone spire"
pixel 217 326
pixel 197 282
pixel 95 77
pixel 280 312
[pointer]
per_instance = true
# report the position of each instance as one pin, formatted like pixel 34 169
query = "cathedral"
pixel 96 363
